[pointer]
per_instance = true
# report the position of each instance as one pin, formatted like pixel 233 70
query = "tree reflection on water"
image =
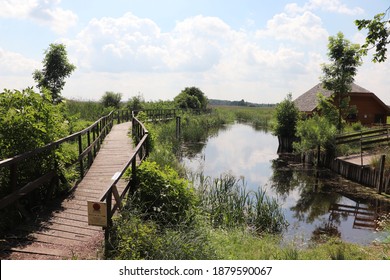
pixel 320 200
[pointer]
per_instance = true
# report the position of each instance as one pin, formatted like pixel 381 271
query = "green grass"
pixel 237 244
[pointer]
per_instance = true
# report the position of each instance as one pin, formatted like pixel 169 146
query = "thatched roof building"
pixel 371 110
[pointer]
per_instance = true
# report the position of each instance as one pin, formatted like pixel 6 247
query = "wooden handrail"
pixel 140 134
pixel 101 127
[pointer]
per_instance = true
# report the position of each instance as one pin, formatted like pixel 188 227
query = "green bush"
pixel 162 195
pixel 133 238
pixel 229 205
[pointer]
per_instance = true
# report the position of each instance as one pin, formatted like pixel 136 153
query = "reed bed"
pixel 229 204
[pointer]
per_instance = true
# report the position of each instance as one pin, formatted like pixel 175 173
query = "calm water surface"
pixel 307 196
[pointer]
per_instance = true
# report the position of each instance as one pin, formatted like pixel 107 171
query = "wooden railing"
pixel 111 194
pixel 159 114
pixel 89 141
pixel 366 138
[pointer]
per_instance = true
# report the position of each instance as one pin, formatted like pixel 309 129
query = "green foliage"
pixel 162 195
pixel 83 110
pixel 191 98
pixel 111 99
pixel 56 68
pixel 28 120
pixel 135 239
pixel 286 115
pixel 377 37
pixel 327 109
pixel 135 103
pixel 314 132
pixel 339 74
pixel 228 205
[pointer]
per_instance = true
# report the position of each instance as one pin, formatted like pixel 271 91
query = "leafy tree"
pixel 339 75
pixel 378 35
pixel 287 115
pixel 191 98
pixel 111 99
pixel 56 68
pixel 136 103
pixel 28 120
pixel 315 132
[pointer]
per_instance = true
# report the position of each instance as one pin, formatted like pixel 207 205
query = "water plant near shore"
pixel 228 204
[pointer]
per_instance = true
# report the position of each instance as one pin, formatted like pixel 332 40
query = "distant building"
pixel 370 109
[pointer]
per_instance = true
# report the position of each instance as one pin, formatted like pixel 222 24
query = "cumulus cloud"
pixel 12 63
pixel 334 6
pixel 201 50
pixel 46 12
pixel 130 43
pixel 303 28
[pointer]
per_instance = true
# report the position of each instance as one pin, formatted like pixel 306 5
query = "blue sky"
pixel 249 49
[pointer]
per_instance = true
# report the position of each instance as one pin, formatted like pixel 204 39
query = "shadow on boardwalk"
pixel 61 231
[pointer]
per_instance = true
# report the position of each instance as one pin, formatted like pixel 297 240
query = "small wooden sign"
pixel 97 213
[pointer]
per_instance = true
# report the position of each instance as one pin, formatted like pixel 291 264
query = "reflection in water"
pixel 312 200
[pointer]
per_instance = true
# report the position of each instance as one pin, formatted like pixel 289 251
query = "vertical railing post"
pixel 133 174
pixel 381 173
pixel 80 157
pixel 89 146
pixel 94 139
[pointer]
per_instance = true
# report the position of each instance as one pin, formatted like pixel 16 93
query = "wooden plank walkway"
pixel 357 159
pixel 62 230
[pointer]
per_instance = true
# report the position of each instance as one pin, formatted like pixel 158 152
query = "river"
pixel 311 201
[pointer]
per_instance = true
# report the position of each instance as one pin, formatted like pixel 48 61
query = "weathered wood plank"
pixel 67 226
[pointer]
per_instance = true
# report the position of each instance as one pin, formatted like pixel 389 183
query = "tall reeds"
pixel 228 204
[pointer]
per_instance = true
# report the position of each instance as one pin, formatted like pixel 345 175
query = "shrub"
pixel 162 195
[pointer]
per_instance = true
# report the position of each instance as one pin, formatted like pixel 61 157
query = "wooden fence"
pixel 377 178
pixel 88 141
pixel 140 135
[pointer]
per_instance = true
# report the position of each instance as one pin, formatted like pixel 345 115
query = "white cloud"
pixel 46 12
pixel 12 63
pixel 304 28
pixel 334 6
pixel 201 51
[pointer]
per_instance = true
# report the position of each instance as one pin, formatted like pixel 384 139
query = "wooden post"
pixel 381 173
pixel 93 139
pixel 90 152
pixel 133 174
pixel 81 159
pixel 361 148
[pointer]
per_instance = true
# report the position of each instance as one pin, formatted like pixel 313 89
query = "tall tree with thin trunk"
pixel 56 67
pixel 340 73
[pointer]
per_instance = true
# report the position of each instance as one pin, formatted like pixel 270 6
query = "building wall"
pixel 370 111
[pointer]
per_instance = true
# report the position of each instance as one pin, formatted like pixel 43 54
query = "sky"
pixel 256 50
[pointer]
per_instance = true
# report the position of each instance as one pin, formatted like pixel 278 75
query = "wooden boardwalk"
pixel 62 230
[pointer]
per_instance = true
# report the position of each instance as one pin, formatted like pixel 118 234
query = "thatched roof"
pixel 308 101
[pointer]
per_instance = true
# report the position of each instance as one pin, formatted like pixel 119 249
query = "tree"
pixel 377 36
pixel 28 120
pixel 111 99
pixel 339 75
pixel 316 132
pixel 56 68
pixel 287 115
pixel 191 98
pixel 135 103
